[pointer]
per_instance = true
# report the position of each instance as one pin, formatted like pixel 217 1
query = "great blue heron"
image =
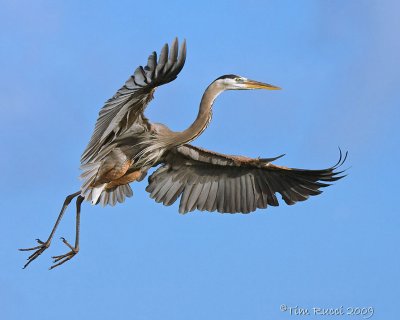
pixel 125 145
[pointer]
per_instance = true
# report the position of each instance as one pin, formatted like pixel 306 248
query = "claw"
pixel 67 244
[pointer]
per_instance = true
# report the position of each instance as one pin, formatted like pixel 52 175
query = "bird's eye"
pixel 238 79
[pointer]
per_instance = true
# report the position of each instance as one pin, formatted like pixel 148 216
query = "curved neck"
pixel 203 117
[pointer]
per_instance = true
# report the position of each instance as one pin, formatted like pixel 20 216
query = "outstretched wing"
pixel 215 182
pixel 127 105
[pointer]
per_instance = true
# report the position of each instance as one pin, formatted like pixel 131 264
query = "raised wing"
pixel 215 182
pixel 127 105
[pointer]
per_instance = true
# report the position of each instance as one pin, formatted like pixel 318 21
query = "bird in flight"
pixel 125 145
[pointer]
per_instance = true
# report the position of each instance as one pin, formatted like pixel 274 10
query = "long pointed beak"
pixel 251 84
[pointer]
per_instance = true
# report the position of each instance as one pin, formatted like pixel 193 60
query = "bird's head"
pixel 234 82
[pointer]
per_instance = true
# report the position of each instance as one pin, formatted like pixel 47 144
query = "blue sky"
pixel 338 65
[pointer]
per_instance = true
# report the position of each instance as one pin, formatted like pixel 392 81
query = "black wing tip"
pixel 342 159
pixel 175 43
pixel 170 62
pixel 182 52
pixel 184 44
pixel 340 162
pixel 331 174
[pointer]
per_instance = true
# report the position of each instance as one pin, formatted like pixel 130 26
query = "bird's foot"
pixel 59 260
pixel 39 250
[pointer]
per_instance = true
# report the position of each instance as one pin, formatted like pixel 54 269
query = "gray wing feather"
pixel 250 193
pixel 163 191
pixel 157 189
pixel 202 201
pixel 272 200
pixel 242 184
pixel 209 206
pixel 173 193
pixel 211 181
pixel 126 107
pixel 220 196
pixel 185 197
pixel 194 196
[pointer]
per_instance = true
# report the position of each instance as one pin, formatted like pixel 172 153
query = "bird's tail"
pixel 96 193
pixel 100 195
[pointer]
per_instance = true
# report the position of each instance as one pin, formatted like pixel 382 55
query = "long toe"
pixel 38 251
pixel 62 258
pixel 59 260
pixel 41 244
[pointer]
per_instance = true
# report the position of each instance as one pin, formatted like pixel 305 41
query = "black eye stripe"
pixel 227 76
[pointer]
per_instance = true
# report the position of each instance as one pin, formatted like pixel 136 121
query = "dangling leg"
pixel 44 245
pixel 59 260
